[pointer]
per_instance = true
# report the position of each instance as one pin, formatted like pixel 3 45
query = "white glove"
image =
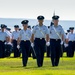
pixel 8 43
pixel 18 46
pixel 61 42
pixel 66 45
pixel 47 43
pixel 5 43
pixel 32 44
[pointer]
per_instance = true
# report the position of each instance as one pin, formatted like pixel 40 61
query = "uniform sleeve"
pixel 67 36
pixel 47 31
pixel 34 30
pixel 64 36
pixel 30 33
pixel 74 36
pixel 7 35
pixel 62 31
pixel 50 30
pixel 20 34
pixel 12 34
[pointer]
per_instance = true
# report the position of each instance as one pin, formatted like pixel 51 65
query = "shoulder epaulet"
pixel 13 31
pixel 60 26
pixel 44 26
pixel 51 26
pixel 21 30
pixel 36 26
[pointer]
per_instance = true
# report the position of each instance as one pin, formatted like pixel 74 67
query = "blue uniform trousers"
pixel 32 52
pixel 39 47
pixel 48 51
pixel 71 48
pixel 15 49
pixel 25 47
pixel 8 50
pixel 55 47
pixel 2 49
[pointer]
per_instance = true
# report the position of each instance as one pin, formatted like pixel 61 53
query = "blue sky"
pixel 32 8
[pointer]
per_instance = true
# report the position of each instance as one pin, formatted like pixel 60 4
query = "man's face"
pixel 41 21
pixel 55 22
pixel 71 31
pixel 16 29
pixel 25 25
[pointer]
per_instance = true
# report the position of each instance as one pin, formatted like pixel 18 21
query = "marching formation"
pixel 37 41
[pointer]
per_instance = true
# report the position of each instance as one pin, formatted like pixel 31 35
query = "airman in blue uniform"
pixel 8 44
pixel 25 44
pixel 39 33
pixel 15 37
pixel 71 42
pixel 66 43
pixel 4 37
pixel 56 36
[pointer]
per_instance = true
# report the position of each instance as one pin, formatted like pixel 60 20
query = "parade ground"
pixel 13 66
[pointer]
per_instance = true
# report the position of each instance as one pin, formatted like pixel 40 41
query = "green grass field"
pixel 13 66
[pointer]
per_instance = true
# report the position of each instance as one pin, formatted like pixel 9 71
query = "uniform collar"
pixel 17 31
pixel 25 30
pixel 40 26
pixel 71 33
pixel 56 26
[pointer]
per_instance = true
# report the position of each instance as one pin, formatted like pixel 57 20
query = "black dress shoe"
pixel 53 65
pixel 34 57
pixel 39 65
pixel 24 65
pixel 56 65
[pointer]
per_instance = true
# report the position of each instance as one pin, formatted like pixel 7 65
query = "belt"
pixel 55 39
pixel 2 41
pixel 25 40
pixel 71 41
pixel 40 38
pixel 15 39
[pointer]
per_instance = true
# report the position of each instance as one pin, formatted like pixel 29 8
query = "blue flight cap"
pixel 24 22
pixel 40 18
pixel 71 28
pixel 55 17
pixel 16 26
pixel 3 26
